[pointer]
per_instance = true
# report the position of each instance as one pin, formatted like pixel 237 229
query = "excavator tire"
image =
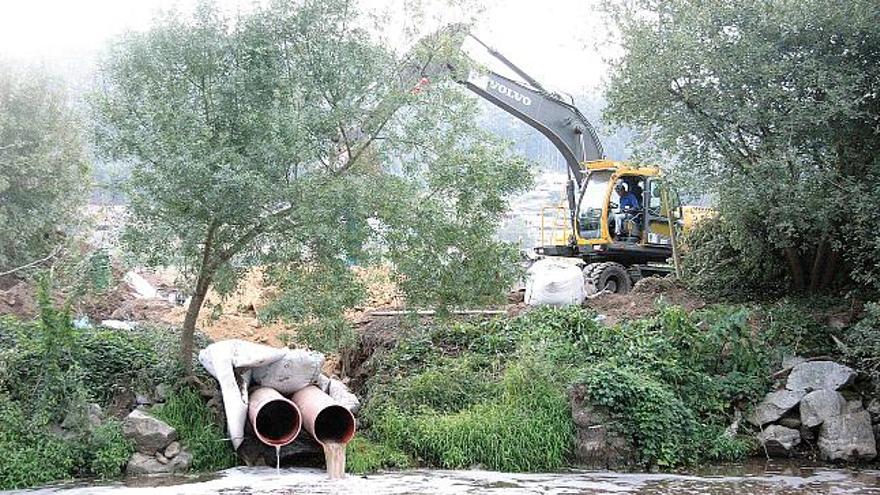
pixel 607 276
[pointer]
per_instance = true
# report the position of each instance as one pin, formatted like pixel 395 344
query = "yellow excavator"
pixel 616 245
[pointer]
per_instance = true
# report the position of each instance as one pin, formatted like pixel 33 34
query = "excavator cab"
pixel 614 262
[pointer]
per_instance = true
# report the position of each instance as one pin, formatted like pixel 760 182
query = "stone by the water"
pixel 779 440
pixel 848 437
pixel 775 405
pixel 819 375
pixel 819 405
pixel 148 433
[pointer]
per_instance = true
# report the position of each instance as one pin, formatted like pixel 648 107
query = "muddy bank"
pixel 742 479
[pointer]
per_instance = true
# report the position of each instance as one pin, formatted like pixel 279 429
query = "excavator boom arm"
pixel 560 122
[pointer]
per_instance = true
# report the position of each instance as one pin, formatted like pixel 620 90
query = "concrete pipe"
pixel 323 417
pixel 276 419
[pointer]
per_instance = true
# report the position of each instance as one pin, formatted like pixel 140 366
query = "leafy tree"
pixel 43 167
pixel 295 139
pixel 774 108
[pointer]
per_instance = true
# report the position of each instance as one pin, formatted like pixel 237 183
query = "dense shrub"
pixel 31 453
pixel 110 450
pixel 863 342
pixel 721 261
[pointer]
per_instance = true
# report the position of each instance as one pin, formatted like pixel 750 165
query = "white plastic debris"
pixel 220 359
pixel 551 282
pixel 293 371
pixel 339 392
pixel 118 324
pixel 142 288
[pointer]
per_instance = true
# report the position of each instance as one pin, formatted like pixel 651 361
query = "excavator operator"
pixel 628 207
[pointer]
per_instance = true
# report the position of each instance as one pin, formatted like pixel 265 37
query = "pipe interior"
pixel 334 424
pixel 277 420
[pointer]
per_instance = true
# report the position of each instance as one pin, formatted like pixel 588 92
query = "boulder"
pixel 775 405
pixel 848 437
pixel 149 434
pixel 819 375
pixel 595 446
pixel 88 416
pixel 853 406
pixel 172 450
pixel 819 405
pixel 790 422
pixel 779 440
pixel 182 461
pixel 146 465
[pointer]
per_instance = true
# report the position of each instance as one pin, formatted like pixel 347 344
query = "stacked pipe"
pixel 277 421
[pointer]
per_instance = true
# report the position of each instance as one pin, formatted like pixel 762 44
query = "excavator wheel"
pixel 608 276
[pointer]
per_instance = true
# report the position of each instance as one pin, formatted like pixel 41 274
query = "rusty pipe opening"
pixel 323 417
pixel 276 420
pixel 334 424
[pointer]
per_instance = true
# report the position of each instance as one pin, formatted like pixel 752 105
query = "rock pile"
pixel 157 448
pixel 811 407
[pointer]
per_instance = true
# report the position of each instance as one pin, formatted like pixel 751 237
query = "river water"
pixel 744 479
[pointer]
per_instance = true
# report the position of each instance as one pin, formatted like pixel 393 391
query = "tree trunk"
pixel 203 283
pixel 830 269
pixel 794 266
pixel 818 263
pixel 189 321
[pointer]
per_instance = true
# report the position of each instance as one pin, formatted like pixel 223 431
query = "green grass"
pixel 366 456
pixel 198 430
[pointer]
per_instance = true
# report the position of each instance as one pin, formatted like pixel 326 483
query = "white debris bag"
pixel 551 282
pixel 293 371
pixel 221 359
pixel 339 392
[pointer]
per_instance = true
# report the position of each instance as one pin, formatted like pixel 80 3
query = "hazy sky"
pixel 553 41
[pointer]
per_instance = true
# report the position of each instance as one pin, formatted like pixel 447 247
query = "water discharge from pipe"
pixel 332 425
pixel 276 420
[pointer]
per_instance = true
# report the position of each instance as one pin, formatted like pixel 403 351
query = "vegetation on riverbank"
pixel 497 393
pixel 64 390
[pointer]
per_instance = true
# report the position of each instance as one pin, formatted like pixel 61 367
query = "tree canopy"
pixel 295 138
pixel 774 108
pixel 43 165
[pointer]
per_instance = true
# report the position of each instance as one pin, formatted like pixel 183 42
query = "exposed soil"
pixel 643 300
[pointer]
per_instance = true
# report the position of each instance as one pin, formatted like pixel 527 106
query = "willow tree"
pixel 293 138
pixel 44 172
pixel 774 107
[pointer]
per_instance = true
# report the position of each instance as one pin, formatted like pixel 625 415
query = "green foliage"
pixel 793 327
pixel 365 456
pixel 245 151
pixel 495 393
pixel 110 449
pixel 44 175
pixel 198 429
pixel 770 108
pixel 671 383
pixel 863 342
pixel 31 454
pixel 722 261
pixel 50 372
pixel 527 427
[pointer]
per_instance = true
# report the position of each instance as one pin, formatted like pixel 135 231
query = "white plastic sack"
pixel 293 371
pixel 551 282
pixel 220 359
pixel 339 392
